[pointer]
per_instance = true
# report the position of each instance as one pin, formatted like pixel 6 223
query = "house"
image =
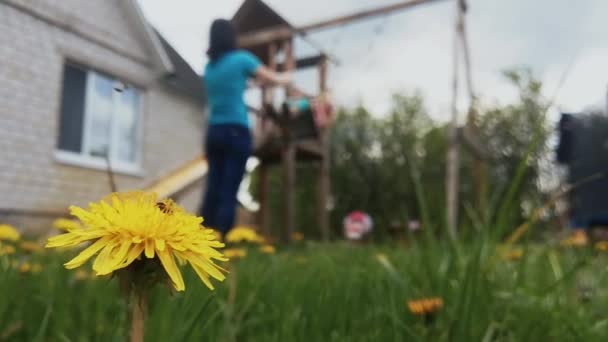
pixel 82 82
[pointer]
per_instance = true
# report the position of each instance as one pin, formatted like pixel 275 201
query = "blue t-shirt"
pixel 226 81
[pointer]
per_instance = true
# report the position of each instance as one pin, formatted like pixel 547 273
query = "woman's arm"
pixel 267 76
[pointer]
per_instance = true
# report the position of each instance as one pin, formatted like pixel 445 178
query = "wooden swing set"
pixel 286 138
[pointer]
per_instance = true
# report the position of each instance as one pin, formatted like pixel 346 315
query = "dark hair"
pixel 222 39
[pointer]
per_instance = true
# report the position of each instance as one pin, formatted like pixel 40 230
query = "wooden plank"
pixel 179 179
pixel 263 187
pixel 261 37
pixel 366 14
pixel 289 185
pixel 263 127
pixel 289 158
pixel 280 33
pixel 305 62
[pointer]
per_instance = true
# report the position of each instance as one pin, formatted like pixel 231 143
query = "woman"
pixel 229 140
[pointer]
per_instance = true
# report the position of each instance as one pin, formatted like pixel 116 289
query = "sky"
pixel 412 50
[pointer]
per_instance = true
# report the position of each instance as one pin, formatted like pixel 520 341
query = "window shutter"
pixel 72 109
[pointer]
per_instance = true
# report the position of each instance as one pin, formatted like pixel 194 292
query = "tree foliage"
pixel 378 162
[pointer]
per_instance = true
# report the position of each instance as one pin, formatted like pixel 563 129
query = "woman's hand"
pixel 267 76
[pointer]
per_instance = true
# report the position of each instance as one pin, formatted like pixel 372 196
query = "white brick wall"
pixel 32 54
pixel 104 19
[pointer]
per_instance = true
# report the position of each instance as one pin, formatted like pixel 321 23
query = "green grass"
pixel 334 292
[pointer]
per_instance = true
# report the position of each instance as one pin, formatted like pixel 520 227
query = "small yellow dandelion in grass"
pixel 30 247
pixel 578 239
pixel 601 246
pixel 297 236
pixel 9 233
pixel 510 253
pixel 235 253
pixel 268 249
pixel 243 234
pixel 26 267
pixel 426 307
pixel 67 225
pixel 514 254
pixel 132 227
pixel 7 250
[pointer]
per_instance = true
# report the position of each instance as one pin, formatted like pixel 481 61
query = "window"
pixel 99 118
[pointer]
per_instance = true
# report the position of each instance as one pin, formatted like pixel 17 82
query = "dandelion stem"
pixel 138 315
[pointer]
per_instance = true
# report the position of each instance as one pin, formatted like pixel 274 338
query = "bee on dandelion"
pixel 136 236
pixel 129 228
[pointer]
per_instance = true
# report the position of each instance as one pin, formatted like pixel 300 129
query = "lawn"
pixel 327 292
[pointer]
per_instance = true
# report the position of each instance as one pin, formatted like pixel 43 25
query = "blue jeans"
pixel 228 147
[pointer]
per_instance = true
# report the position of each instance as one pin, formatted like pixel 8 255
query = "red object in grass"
pixel 357 224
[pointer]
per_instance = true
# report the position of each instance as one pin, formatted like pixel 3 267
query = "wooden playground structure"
pixel 269 36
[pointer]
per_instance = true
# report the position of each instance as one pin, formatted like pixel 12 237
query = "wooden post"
pixel 453 154
pixel 289 158
pixel 323 180
pixel 263 183
pixel 478 172
pixel 263 199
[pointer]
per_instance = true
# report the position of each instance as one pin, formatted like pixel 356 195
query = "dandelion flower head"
pixel 125 227
pixel 9 233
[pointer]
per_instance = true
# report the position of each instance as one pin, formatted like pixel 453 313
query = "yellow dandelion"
pixel 235 253
pixel 126 227
pixel 7 250
pixel 268 249
pixel 601 246
pixel 243 234
pixel 425 306
pixel 577 239
pixel 515 254
pixel 25 267
pixel 510 253
pixel 9 233
pixel 297 236
pixel 30 246
pixel 66 224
